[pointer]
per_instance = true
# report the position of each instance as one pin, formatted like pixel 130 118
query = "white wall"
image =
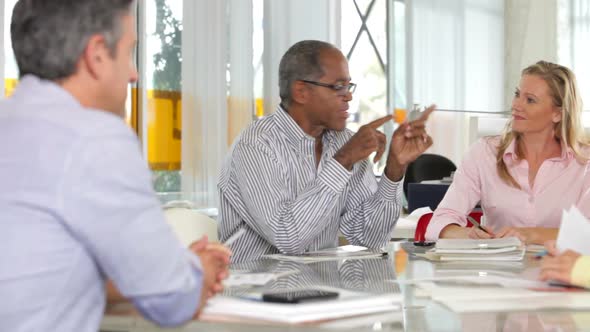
pixel 457 63
pixel 530 36
pixel 287 22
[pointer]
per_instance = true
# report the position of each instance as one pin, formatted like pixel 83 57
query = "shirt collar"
pixel 510 152
pixel 295 136
pixel 31 87
pixel 567 154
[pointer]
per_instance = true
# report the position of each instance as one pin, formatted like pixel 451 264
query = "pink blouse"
pixel 560 183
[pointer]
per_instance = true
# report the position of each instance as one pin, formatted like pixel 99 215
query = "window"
pixel 258 48
pixel 10 67
pixel 162 79
pixel 373 40
pixel 364 42
pixel 574 50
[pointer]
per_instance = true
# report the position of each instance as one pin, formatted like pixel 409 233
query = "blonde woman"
pixel 527 176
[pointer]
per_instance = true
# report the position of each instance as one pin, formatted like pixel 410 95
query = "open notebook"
pixel 504 249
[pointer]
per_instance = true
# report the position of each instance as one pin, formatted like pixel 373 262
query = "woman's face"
pixel 533 110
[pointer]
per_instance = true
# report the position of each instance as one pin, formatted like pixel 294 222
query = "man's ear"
pixel 300 92
pixel 95 56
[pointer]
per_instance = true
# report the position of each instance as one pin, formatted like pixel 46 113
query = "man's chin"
pixel 339 126
pixel 120 112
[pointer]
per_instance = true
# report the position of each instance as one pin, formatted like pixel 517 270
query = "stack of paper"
pixel 348 304
pixel 504 249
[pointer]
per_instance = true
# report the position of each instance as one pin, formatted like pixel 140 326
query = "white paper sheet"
pixel 253 279
pixel 520 302
pixel 348 304
pixel 481 280
pixel 574 232
pixel 478 243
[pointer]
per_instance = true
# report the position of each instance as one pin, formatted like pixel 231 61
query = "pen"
pixel 234 237
pixel 476 224
pixel 541 254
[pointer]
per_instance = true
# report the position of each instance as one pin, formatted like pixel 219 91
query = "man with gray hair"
pixel 296 178
pixel 77 211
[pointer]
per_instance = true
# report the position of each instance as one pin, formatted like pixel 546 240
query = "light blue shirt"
pixel 76 209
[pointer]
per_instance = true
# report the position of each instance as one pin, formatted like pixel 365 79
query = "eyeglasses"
pixel 341 89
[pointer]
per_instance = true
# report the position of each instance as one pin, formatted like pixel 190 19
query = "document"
pixel 509 256
pixel 503 249
pixel 519 301
pixel 485 244
pixel 574 232
pixel 348 304
pixel 467 281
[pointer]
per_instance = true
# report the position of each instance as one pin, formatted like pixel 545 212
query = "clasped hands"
pixel 214 262
pixel 558 266
pixel 408 142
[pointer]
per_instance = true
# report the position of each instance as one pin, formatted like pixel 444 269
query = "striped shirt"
pixel 270 186
pixel 371 275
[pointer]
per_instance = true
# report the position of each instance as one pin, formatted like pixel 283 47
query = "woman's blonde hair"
pixel 569 131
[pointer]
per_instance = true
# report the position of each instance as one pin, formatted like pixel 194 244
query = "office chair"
pixel 422 225
pixel 427 167
pixel 190 225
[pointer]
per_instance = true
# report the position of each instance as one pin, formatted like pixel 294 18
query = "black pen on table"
pixel 476 224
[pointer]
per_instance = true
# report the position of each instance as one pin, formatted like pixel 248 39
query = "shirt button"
pixel 531 199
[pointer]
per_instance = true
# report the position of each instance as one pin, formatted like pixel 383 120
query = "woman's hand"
pixel 454 231
pixel 556 266
pixel 477 233
pixel 517 232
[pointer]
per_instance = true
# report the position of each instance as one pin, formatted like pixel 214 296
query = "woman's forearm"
pixel 453 231
pixel 540 235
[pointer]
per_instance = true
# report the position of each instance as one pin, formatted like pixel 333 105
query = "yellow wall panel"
pixel 164 124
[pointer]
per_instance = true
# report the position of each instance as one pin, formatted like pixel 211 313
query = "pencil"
pixel 476 224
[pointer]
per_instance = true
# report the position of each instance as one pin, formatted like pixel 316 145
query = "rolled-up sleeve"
pixel 372 209
pixel 581 272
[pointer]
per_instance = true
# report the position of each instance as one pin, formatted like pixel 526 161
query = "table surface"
pixel 418 313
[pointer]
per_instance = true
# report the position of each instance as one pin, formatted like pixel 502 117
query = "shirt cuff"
pixel 334 176
pixel 581 272
pixel 390 190
pixel 176 308
pixel 194 260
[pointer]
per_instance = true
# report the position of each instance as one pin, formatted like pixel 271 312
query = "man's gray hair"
pixel 49 36
pixel 300 62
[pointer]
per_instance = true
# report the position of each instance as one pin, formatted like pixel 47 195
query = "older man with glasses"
pixel 296 178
